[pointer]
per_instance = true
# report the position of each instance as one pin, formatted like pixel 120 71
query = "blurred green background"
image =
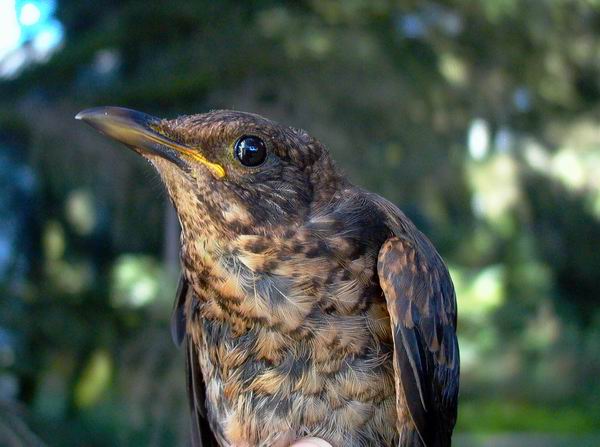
pixel 479 119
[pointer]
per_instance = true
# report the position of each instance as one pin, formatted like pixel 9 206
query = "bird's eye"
pixel 250 151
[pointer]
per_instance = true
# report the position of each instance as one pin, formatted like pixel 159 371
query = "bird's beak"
pixel 137 130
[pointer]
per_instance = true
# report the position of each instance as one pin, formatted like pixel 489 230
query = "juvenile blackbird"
pixel 307 306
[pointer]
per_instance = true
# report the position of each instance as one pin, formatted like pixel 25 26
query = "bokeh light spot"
pixel 80 211
pixel 135 281
pixel 30 14
pixel 54 241
pixel 28 33
pixel 94 380
pixel 10 36
pixel 478 138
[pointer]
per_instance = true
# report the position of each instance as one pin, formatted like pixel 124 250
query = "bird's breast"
pixel 295 340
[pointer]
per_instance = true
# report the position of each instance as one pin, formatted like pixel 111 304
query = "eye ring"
pixel 250 150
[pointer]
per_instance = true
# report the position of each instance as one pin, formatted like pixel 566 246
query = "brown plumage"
pixel 307 306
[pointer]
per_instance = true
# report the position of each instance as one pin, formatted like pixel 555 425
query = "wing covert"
pixel 422 306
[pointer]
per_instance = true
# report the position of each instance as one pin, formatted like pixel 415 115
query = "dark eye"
pixel 250 151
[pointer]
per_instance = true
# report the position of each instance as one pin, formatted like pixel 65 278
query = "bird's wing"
pixel 202 435
pixel 178 328
pixel 422 306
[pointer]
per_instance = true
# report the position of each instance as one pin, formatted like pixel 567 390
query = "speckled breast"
pixel 294 337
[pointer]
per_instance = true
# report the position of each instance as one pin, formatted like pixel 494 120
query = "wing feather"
pixel 178 321
pixel 201 433
pixel 422 306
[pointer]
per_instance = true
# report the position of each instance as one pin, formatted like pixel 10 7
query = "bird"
pixel 307 306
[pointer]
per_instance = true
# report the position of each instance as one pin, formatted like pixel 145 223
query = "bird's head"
pixel 225 171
